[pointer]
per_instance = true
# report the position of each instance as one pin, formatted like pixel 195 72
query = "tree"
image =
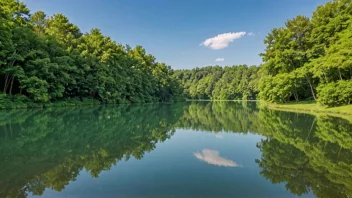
pixel 48 60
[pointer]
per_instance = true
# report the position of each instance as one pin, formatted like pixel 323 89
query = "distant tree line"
pixel 47 58
pixel 308 59
pixel 220 83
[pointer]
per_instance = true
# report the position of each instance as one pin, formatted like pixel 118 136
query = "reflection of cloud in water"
pixel 219 136
pixel 213 157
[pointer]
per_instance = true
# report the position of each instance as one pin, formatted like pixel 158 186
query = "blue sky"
pixel 173 30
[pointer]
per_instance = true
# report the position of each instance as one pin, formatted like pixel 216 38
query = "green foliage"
pixel 48 60
pixel 17 102
pixel 300 59
pixel 335 93
pixel 309 52
pixel 220 83
pixel 280 88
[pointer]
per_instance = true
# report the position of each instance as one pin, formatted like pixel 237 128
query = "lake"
pixel 181 150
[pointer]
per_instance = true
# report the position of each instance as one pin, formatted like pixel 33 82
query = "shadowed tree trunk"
pixel 340 76
pixel 5 85
pixel 13 78
pixel 311 87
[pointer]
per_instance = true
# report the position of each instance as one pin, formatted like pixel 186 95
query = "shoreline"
pixel 209 100
pixel 68 103
pixel 300 107
pixel 311 107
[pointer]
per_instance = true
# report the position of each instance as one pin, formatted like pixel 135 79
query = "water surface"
pixel 198 149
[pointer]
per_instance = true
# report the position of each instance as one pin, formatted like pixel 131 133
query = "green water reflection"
pixel 49 149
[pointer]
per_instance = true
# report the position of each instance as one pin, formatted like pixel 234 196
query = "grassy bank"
pixel 313 107
pixel 217 100
pixel 303 106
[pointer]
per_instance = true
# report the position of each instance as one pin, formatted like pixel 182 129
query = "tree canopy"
pixel 307 59
pixel 220 83
pixel 308 56
pixel 45 59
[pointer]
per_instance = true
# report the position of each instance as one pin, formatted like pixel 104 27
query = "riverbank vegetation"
pixel 311 107
pixel 47 59
pixel 307 59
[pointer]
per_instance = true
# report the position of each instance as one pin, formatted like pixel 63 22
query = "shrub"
pixel 335 93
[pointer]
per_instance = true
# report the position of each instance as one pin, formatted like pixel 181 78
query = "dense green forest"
pixel 220 83
pixel 47 59
pixel 49 148
pixel 308 59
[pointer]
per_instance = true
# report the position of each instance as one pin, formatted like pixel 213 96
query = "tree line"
pixel 220 83
pixel 307 59
pixel 46 59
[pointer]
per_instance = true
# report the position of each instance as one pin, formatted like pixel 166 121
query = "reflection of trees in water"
pixel 308 153
pixel 48 148
pixel 219 116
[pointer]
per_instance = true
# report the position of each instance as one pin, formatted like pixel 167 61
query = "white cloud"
pixel 222 40
pixel 219 59
pixel 213 157
pixel 250 34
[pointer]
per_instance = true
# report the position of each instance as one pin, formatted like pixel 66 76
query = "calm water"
pixel 199 149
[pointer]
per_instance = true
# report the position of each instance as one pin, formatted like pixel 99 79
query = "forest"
pixel 308 59
pixel 47 61
pixel 220 83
